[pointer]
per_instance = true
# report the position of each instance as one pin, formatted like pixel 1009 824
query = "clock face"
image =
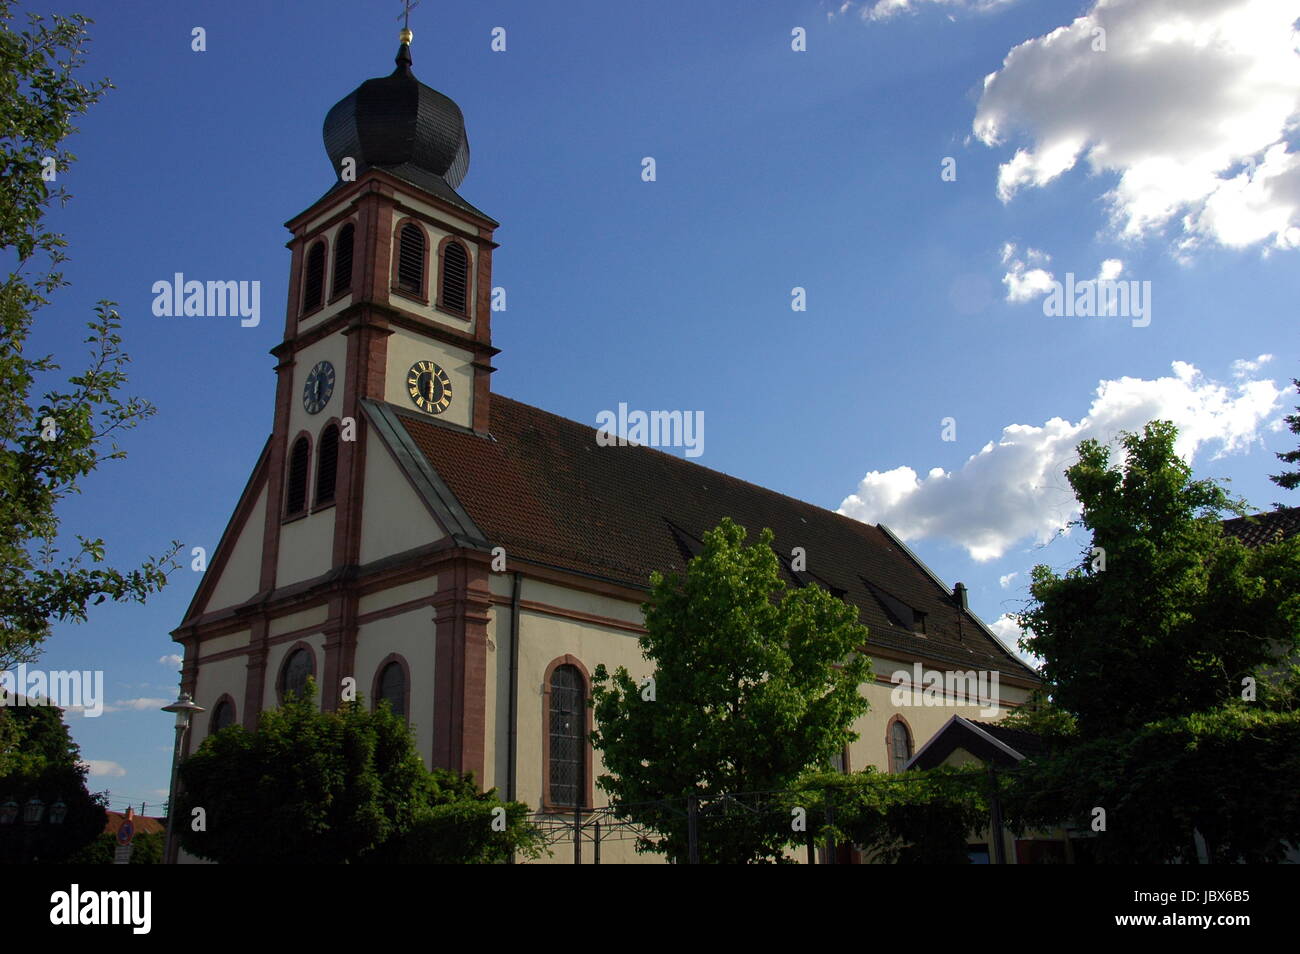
pixel 429 387
pixel 320 385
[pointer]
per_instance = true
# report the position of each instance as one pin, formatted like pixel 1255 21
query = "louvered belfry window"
pixel 343 261
pixel 327 464
pixel 314 277
pixel 568 717
pixel 296 497
pixel 455 278
pixel 410 259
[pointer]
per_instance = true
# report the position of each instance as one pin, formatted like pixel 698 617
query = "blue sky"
pixel 1170 152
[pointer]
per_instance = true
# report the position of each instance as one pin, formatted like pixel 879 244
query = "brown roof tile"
pixel 1261 528
pixel 541 487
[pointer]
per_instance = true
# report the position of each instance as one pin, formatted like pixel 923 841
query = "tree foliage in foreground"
pixel 39 759
pixel 753 685
pixel 48 444
pixel 313 787
pixel 1166 614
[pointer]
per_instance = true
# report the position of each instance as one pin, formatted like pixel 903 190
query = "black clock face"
pixel 320 385
pixel 429 387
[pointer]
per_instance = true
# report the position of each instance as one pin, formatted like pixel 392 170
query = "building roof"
pixel 144 824
pixel 541 487
pixel 1261 528
pixel 987 741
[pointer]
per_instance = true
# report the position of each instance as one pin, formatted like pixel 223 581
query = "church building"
pixel 363 543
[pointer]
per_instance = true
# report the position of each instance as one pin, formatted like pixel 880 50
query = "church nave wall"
pixel 306 548
pixel 217 678
pixel 275 657
pixel 411 636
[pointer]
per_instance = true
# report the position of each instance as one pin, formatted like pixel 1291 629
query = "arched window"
pixel 313 284
pixel 392 687
pixel 327 464
pixel 900 745
pixel 342 261
pixel 223 715
pixel 410 259
pixel 567 742
pixel 295 500
pixel 455 279
pixel 298 665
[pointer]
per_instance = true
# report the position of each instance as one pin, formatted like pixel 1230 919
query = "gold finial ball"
pixel 407 35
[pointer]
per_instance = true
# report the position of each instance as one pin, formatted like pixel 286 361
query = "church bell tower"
pixel 389 302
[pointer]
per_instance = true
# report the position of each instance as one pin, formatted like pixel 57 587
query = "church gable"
pixel 406 504
pixel 233 575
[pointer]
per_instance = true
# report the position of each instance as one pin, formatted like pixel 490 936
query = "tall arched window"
pixel 313 285
pixel 327 464
pixel 298 665
pixel 342 261
pixel 900 745
pixel 567 740
pixel 223 715
pixel 392 687
pixel 295 498
pixel 455 279
pixel 410 259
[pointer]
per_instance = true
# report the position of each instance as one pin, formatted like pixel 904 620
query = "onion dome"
pixel 397 124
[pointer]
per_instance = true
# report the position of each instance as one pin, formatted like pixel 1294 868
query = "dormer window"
pixel 313 284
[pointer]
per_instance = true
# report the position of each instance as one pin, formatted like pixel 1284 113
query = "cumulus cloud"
pixel 104 768
pixel 170 660
pixel 1025 283
pixel 136 705
pixel 1005 581
pixel 1187 107
pixel 1015 487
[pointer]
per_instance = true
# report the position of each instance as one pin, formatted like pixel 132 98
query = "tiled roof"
pixel 1026 743
pixel 542 488
pixel 144 824
pixel 1261 528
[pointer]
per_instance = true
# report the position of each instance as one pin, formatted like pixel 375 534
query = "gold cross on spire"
pixel 405 16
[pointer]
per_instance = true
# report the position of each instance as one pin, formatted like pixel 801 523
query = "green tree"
pixel 1166 614
pixel 752 686
pixel 1290 479
pixel 313 787
pixel 39 759
pixel 48 444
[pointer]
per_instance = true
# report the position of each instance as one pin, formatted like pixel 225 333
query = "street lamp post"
pixel 185 708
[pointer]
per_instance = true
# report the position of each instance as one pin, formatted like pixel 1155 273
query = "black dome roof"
pixel 398 124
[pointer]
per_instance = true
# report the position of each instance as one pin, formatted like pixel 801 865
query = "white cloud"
pixel 171 660
pixel 104 768
pixel 1009 633
pixel 1015 488
pixel 884 9
pixel 1110 270
pixel 1189 106
pixel 136 705
pixel 1025 283
pixel 1243 367
pixel 1005 581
